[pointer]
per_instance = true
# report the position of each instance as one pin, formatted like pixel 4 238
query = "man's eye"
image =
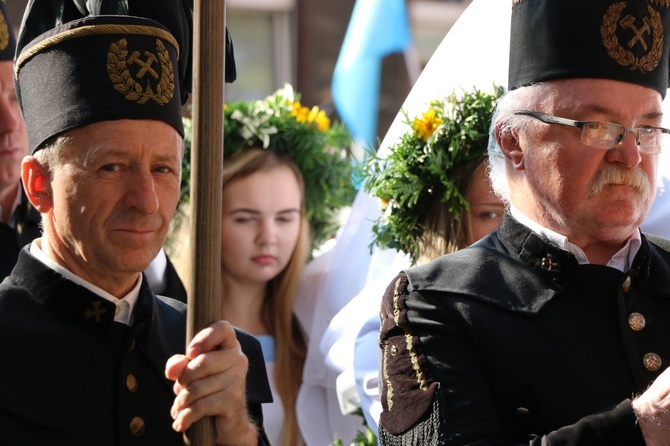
pixel 110 168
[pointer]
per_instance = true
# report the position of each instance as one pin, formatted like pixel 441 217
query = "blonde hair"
pixel 277 312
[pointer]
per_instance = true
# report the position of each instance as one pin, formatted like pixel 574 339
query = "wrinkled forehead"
pixel 604 95
pixel 126 138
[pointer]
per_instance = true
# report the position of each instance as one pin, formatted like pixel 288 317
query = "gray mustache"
pixel 614 174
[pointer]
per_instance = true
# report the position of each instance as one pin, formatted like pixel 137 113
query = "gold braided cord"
pixel 94 30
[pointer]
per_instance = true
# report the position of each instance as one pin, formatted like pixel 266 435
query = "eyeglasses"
pixel 607 135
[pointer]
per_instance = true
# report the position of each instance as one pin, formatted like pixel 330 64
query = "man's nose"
pixel 142 194
pixel 627 152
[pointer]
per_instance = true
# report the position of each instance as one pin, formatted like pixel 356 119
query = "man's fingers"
pixel 208 374
pixel 175 367
pixel 219 395
pixel 219 335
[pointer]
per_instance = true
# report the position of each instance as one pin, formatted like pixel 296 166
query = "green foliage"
pixel 421 166
pixel 185 187
pixel 320 150
pixel 364 437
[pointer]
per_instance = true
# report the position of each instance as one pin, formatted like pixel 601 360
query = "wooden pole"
pixel 204 287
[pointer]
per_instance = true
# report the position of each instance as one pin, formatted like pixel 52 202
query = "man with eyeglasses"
pixel 556 328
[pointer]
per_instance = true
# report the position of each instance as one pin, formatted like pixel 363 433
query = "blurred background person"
pixel 286 175
pixel 264 247
pixel 19 221
pixel 436 198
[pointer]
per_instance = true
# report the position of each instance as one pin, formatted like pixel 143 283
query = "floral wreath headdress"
pixel 421 165
pixel 320 149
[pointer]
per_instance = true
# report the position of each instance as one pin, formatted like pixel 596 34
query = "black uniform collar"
pixel 533 270
pixel 71 300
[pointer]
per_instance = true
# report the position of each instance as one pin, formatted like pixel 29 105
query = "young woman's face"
pixel 260 225
pixel 486 209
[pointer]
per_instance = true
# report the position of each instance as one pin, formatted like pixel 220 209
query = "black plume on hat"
pixel 562 39
pixel 7 40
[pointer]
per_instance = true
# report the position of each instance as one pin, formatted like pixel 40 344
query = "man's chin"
pixel 133 262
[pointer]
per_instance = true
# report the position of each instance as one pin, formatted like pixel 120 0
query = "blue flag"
pixel 377 28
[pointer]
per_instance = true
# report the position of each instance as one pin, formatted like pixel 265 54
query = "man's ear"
pixel 511 142
pixel 35 182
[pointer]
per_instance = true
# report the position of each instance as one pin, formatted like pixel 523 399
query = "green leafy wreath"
pixel 319 148
pixel 421 166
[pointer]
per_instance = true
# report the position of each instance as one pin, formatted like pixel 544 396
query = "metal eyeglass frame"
pixel 653 149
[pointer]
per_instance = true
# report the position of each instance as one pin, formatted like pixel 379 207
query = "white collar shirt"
pixel 621 260
pixel 124 306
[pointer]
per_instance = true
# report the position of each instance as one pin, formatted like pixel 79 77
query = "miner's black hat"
pixel 561 39
pixel 97 69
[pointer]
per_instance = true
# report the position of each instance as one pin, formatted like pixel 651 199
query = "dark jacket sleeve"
pixel 174 287
pixel 451 401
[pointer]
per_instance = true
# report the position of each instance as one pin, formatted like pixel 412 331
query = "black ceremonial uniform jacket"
pixel 511 341
pixel 70 375
pixel 27 229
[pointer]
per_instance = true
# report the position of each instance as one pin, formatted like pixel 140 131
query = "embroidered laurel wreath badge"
pixel 640 31
pixel 4 33
pixel 130 86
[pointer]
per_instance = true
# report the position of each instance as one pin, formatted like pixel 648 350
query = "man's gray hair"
pixel 504 121
pixel 50 156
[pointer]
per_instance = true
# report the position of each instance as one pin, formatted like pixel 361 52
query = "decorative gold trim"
pixel 4 32
pixel 653 24
pixel 396 319
pixel 119 74
pixel 396 306
pixel 94 30
pixel 420 375
pixel 389 384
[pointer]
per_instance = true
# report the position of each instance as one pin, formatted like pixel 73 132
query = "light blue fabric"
pixel 376 28
pixel 268 347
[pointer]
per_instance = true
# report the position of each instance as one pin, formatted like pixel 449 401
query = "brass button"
pixel 137 426
pixel 652 362
pixel 131 383
pixel 626 284
pixel 394 350
pixel 636 321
